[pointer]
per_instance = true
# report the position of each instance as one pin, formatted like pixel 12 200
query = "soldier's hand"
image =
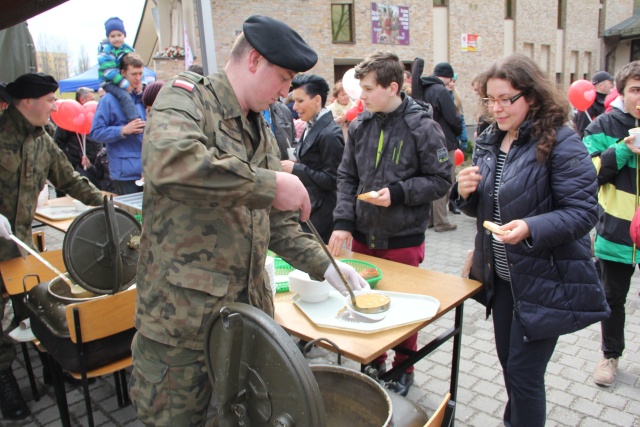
pixel 291 195
pixel 5 227
pixel 356 282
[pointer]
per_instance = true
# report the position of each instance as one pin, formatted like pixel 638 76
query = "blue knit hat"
pixel 114 24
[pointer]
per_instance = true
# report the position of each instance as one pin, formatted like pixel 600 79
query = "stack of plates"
pixel 270 268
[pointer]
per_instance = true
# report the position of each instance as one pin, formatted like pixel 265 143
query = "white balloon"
pixel 350 84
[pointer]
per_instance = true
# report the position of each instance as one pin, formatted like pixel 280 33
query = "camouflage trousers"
pixel 169 386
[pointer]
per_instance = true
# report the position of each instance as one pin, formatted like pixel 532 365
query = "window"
pixel 440 3
pixel 635 50
pixel 342 21
pixel 508 9
pixel 562 14
pixel 527 49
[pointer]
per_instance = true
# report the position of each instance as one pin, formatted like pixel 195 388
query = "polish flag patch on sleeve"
pixel 188 86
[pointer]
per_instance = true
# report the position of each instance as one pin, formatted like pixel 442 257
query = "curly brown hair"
pixel 549 108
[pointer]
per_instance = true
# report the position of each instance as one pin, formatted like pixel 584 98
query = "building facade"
pixel 564 36
pixel 55 64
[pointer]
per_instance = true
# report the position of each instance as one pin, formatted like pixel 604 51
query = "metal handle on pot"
pixel 113 234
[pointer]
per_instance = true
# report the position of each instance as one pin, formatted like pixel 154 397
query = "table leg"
pixel 455 358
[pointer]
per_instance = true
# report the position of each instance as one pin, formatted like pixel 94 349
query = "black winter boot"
pixel 12 404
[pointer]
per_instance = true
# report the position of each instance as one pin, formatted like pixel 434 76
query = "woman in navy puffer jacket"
pixel 533 177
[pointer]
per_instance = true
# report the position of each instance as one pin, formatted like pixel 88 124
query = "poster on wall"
pixel 389 24
pixel 470 42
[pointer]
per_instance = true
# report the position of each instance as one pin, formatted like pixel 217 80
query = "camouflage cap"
pixel 279 43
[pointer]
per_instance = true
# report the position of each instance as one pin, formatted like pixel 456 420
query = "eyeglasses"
pixel 504 102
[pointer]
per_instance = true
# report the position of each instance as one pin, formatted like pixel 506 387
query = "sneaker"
pixel 402 384
pixel 605 373
pixel 445 227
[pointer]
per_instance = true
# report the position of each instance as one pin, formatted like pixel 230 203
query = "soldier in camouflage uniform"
pixel 28 157
pixel 215 199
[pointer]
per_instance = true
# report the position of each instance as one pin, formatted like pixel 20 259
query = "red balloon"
pixel 69 115
pixel 459 157
pixel 360 105
pixel 89 109
pixel 352 113
pixel 582 93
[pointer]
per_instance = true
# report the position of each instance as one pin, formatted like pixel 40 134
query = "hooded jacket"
pixel 554 282
pixel 433 91
pixel 617 169
pixel 412 162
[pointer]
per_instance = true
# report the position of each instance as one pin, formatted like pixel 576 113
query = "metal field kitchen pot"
pixel 100 251
pixel 260 378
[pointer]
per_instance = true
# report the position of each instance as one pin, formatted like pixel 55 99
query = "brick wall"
pixel 166 68
pixel 535 25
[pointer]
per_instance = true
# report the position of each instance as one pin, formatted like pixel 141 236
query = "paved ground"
pixel 573 398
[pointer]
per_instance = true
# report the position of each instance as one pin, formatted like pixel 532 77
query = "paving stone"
pixel 572 397
pixel 587 407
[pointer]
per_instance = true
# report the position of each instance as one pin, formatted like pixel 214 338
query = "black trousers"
pixel 524 363
pixel 616 278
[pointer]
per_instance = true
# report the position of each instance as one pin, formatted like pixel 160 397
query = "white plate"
pixel 58 213
pixel 404 309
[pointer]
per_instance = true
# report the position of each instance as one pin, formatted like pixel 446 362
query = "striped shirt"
pixel 499 253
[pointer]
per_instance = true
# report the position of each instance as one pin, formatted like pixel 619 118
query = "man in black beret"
pixel 215 200
pixel 32 158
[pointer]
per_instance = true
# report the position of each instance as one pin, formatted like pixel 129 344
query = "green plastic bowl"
pixel 361 265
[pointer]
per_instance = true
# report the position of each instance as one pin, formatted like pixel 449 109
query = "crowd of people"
pixel 238 162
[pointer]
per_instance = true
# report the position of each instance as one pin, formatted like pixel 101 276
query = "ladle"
pixel 75 289
pixel 369 310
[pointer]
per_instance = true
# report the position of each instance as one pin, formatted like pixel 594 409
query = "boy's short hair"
pixel 131 59
pixel 629 71
pixel 386 67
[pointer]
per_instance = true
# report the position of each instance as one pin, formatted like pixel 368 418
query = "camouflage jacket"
pixel 28 157
pixel 207 215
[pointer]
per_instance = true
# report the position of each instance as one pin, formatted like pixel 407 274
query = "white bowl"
pixel 308 289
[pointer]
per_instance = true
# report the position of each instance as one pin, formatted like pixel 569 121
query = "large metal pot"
pixel 100 251
pixel 261 378
pixel 352 398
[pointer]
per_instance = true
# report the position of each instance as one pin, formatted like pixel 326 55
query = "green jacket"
pixel 617 169
pixel 207 215
pixel 28 157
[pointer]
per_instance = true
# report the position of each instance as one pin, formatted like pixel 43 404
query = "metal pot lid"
pixel 101 249
pixel 258 374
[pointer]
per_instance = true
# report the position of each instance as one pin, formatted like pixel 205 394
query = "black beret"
pixel 32 85
pixel 279 43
